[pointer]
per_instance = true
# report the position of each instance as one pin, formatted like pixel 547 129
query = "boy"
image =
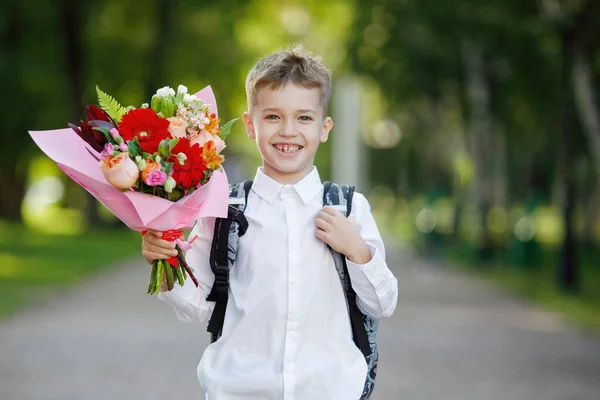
pixel 286 333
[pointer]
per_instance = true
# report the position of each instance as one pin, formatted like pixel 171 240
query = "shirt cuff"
pixel 172 299
pixel 366 274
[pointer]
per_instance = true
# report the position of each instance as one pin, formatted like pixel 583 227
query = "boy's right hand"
pixel 155 248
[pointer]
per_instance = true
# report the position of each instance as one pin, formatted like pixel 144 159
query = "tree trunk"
pixel 71 14
pixel 478 93
pixel 586 104
pixel 164 10
pixel 13 184
pixel 568 268
pixel 13 129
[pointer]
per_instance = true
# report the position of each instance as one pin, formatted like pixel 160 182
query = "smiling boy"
pixel 286 333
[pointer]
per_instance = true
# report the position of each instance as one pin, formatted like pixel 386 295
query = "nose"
pixel 288 129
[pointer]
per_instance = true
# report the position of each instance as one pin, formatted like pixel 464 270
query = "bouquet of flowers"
pixel 155 167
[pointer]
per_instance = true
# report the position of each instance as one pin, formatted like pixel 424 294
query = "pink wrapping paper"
pixel 139 211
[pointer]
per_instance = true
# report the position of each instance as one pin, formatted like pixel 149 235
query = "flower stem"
pixel 186 266
pixel 179 276
pixel 169 274
pixel 152 284
pixel 159 275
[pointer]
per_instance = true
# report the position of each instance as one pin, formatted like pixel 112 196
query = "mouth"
pixel 288 149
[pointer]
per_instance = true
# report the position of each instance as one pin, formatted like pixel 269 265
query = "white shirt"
pixel 287 333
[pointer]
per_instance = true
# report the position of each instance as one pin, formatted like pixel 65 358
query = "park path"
pixel 451 338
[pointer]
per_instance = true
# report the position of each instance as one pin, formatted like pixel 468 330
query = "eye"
pixel 272 117
pixel 305 118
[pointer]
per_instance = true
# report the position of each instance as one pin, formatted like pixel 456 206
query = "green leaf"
pixel 167 166
pixel 155 103
pixel 178 98
pixel 167 107
pixel 226 128
pixel 163 148
pixel 110 106
pixel 133 149
pixel 106 134
pixel 173 143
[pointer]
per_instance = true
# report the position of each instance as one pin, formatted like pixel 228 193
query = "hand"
pixel 342 234
pixel 155 248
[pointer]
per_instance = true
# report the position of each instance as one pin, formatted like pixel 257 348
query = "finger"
pixel 158 234
pixel 150 256
pixel 160 242
pixel 322 224
pixel 325 216
pixel 321 234
pixel 331 211
pixel 170 251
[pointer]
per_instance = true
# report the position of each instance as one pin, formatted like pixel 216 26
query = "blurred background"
pixel 472 126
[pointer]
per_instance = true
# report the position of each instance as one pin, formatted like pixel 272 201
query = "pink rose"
pixel 219 144
pixel 155 178
pixel 120 171
pixel 177 127
pixel 114 133
pixel 107 152
pixel 204 136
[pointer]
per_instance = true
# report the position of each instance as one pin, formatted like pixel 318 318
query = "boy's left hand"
pixel 342 234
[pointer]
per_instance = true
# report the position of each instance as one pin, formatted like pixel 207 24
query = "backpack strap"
pixel 223 253
pixel 334 194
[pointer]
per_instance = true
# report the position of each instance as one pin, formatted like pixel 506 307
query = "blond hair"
pixel 295 65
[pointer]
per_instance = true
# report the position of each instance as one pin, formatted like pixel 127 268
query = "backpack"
pixel 222 257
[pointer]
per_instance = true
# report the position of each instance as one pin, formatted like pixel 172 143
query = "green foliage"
pixel 164 149
pixel 34 264
pixel 105 132
pixel 110 105
pixel 133 148
pixel 226 128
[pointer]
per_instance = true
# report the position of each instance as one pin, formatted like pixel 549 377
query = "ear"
pixel 247 118
pixel 327 126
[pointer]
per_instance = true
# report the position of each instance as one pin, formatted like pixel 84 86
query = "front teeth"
pixel 288 149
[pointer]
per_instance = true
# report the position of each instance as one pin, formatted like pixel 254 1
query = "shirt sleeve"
pixel 375 286
pixel 189 301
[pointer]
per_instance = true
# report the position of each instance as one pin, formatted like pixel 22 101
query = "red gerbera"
pixel 189 173
pixel 149 128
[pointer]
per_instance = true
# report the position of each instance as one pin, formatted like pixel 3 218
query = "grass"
pixel 538 285
pixel 34 265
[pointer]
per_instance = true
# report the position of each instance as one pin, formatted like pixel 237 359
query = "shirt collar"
pixel 307 188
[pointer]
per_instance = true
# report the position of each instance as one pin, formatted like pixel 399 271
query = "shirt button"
pixel 292 327
pixel 288 368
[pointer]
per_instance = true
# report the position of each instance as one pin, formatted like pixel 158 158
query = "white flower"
pixel 189 98
pixel 204 119
pixel 182 89
pixel 165 92
pixel 145 105
pixel 169 184
pixel 182 112
pixel 181 158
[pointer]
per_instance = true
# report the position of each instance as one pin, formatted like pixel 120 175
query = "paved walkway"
pixel 451 338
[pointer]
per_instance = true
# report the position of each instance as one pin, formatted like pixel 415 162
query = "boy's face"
pixel 288 124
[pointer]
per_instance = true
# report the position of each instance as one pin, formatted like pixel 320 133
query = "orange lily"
pixel 212 159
